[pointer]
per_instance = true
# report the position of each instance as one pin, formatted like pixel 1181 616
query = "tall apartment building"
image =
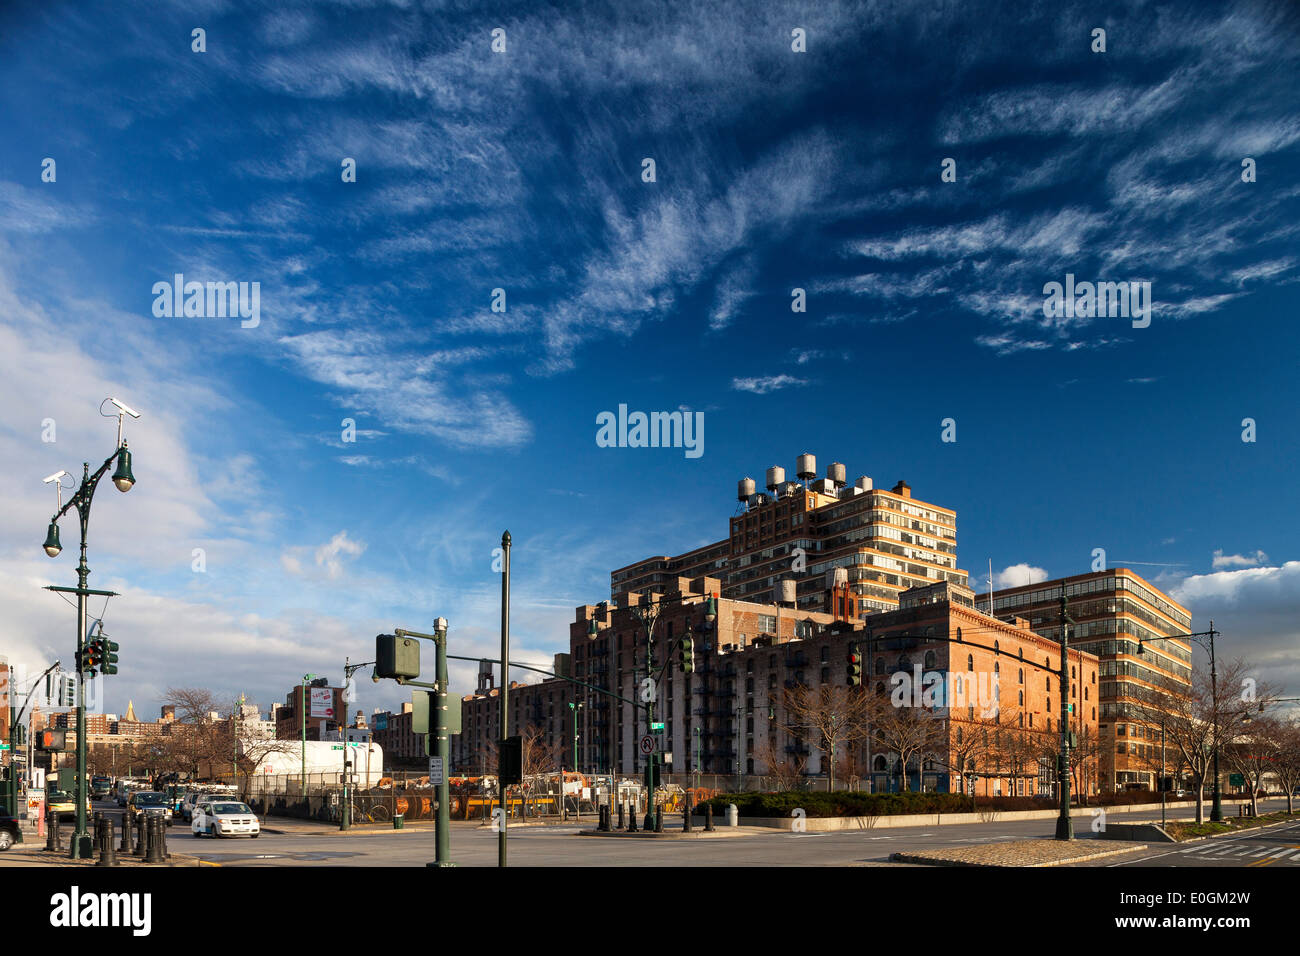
pixel 799 533
pixel 1112 611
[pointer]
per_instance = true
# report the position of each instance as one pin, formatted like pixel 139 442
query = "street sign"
pixel 647 745
pixel 4 746
pixel 435 771
pixel 657 725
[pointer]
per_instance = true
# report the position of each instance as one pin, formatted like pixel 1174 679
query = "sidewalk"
pixel 1015 853
pixel 32 852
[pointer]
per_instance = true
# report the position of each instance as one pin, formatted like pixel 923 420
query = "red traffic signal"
pixel 52 738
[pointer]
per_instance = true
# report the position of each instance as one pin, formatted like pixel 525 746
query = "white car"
pixel 224 818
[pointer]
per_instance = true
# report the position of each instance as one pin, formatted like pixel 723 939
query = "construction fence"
pixel 540 796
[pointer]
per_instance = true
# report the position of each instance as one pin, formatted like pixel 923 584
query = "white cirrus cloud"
pixel 761 385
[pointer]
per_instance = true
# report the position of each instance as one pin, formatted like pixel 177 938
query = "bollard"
pixel 659 818
pixel 708 817
pixel 140 835
pixel 622 824
pixel 126 836
pixel 107 853
pixel 631 820
pixel 162 838
pixel 51 830
pixel 153 849
pixel 733 815
pixel 686 815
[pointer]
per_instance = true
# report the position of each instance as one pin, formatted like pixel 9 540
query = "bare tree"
pixel 1191 717
pixel 785 769
pixel 834 716
pixel 907 733
pixel 1282 738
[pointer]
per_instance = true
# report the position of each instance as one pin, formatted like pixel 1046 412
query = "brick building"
pixel 729 716
pixel 289 718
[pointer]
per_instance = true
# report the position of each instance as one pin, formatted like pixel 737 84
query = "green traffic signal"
pixel 108 656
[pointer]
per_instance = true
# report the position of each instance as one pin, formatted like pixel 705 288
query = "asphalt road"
pixel 473 845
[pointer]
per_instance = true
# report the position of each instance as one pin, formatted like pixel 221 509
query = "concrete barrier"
pixel 891 821
pixel 1145 832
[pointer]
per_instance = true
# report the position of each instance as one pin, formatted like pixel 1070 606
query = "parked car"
pixel 192 798
pixel 225 818
pixel 150 802
pixel 9 832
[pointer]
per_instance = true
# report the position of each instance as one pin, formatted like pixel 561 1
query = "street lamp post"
pixel 80 846
pixel 345 812
pixel 302 707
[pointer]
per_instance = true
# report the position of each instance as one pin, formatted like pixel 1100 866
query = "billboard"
pixel 322 702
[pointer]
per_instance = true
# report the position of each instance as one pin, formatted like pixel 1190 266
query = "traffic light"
pixel 67 691
pixel 397 657
pixel 52 739
pixel 20 735
pixel 688 655
pixel 107 656
pixel 90 659
pixel 854 668
pixel 511 763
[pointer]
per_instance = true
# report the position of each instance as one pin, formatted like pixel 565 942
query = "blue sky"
pixel 521 170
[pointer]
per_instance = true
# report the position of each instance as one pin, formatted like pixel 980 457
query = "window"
pixel 929 660
pixel 996 647
pixel 959 633
pixel 1022 720
pixel 970 662
pixel 1049 704
pixel 1022 698
pixel 1021 676
pixel 880 665
pixel 1072 671
pixel 1049 684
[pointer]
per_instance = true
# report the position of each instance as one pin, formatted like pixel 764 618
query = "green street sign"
pixel 657 725
pixel 4 746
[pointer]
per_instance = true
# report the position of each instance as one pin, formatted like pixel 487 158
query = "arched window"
pixel 1049 684
pixel 996 647
pixel 1022 675
pixel 930 660
pixel 997 668
pixel 959 736
pixel 970 662
pixel 959 633
pixel 1022 653
pixel 904 663
pixel 1071 671
pixel 879 763
pixel 956 685
pixel 1022 720
pixel 1022 698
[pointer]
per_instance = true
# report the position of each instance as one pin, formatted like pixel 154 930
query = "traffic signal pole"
pixel 505 686
pixel 1064 826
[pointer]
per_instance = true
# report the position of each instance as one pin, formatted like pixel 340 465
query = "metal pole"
pixel 1064 826
pixel 1163 792
pixel 345 811
pixel 80 845
pixel 443 747
pixel 505 685
pixel 1216 811
pixel 302 709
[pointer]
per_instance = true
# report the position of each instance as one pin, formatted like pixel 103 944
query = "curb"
pixel 673 835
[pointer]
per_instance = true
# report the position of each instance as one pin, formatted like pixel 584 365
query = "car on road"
pixel 151 802
pixel 100 787
pixel 9 832
pixel 193 798
pixel 224 818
